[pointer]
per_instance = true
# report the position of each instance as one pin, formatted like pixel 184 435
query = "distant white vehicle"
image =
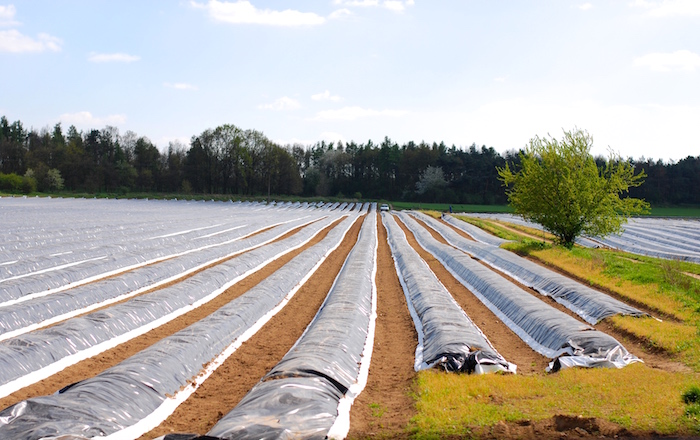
pixel 384 207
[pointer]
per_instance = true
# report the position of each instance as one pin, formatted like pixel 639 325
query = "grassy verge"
pixel 445 207
pixel 493 227
pixel 637 397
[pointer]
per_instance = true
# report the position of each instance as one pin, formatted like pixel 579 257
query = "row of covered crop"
pixel 131 398
pixel 310 391
pixel 548 331
pixel 672 239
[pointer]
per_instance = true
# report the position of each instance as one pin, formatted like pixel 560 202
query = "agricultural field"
pixel 144 319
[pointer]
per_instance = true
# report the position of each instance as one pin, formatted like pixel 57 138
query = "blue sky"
pixel 458 71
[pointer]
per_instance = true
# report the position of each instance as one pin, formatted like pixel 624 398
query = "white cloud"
pixel 331 136
pixel 87 120
pixel 500 79
pixel 243 12
pixel 669 8
pixel 340 13
pixel 393 5
pixel 180 86
pixel 585 6
pixel 353 113
pixel 284 103
pixel 7 16
pixel 680 60
pixel 353 3
pixel 325 96
pixel 15 42
pixel 113 58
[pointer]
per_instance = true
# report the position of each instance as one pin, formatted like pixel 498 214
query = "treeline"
pixel 230 160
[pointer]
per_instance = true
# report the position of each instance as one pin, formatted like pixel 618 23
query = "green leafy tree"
pixel 560 186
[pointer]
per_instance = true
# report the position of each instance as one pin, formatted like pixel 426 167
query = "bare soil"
pixel 385 406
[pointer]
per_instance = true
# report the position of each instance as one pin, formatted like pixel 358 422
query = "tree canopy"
pixel 560 186
pixel 243 162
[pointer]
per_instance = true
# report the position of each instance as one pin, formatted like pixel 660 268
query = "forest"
pixel 232 161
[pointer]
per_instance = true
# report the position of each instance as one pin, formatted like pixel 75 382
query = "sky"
pixel 457 71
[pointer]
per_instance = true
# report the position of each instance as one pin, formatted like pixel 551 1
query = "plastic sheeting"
pixel 586 302
pixel 33 356
pixel 134 396
pixel 475 232
pixel 70 268
pixel 547 330
pixel 42 311
pixel 447 338
pixel 672 239
pixel 303 395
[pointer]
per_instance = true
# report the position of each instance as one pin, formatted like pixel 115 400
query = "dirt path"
pixel 385 406
pixel 239 373
pixel 92 366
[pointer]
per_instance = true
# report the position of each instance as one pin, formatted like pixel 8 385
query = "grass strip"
pixel 492 227
pixel 637 397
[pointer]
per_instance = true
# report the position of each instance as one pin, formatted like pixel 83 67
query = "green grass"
pixel 442 207
pixel 639 398
pixel 675 212
pixel 445 207
pixel 491 227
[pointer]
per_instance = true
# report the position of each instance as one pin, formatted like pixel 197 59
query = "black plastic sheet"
pixel 22 315
pixel 31 265
pixel 586 302
pixel 671 239
pixel 447 337
pixel 547 330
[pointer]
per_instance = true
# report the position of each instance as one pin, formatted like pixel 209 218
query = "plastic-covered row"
pixel 308 394
pixel 586 302
pixel 447 338
pixel 139 393
pixel 476 233
pixel 43 310
pixel 30 357
pixel 672 239
pixel 547 330
pixel 74 232
pixel 108 260
pixel 63 236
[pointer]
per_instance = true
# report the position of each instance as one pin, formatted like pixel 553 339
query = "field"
pixel 234 319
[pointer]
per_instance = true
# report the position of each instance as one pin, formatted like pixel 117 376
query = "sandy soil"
pixel 385 406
